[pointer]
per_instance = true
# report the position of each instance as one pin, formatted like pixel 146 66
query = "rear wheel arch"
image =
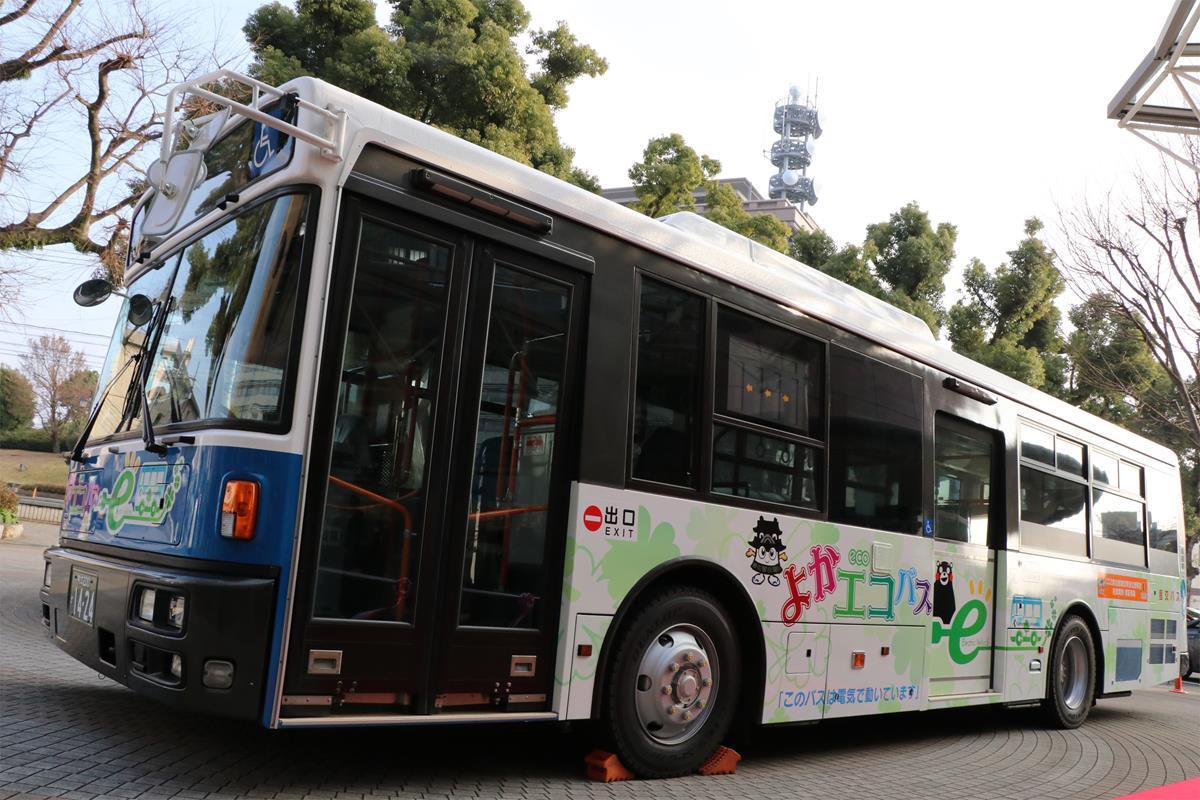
pixel 1084 612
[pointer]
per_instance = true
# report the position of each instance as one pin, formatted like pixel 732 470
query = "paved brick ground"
pixel 66 733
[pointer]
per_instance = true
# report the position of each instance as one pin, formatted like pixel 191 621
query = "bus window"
pixel 1162 499
pixel 963 463
pixel 1104 468
pixel 767 377
pixel 1053 512
pixel 1117 529
pixel 670 359
pixel 370 534
pixel 875 444
pixel 504 570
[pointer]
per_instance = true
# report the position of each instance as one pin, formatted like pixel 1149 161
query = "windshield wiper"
pixel 153 335
pixel 77 453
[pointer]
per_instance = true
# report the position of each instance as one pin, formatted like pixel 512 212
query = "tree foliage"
pixel 16 400
pixel 61 382
pixel 903 260
pixel 668 176
pixel 454 64
pixel 724 207
pixel 1008 319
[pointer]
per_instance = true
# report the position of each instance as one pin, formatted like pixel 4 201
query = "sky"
pixel 984 114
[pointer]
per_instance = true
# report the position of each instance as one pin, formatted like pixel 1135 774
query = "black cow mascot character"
pixel 767 550
pixel 943 592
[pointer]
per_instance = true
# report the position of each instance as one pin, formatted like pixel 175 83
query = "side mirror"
pixel 92 292
pixel 141 309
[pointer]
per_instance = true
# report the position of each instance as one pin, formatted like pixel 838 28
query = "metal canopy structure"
pixel 1163 93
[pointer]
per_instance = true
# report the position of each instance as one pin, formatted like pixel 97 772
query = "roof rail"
pixel 330 147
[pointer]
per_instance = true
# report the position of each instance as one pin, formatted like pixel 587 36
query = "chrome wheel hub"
pixel 1072 673
pixel 676 684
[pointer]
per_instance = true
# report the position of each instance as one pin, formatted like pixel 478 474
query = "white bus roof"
pixel 696 242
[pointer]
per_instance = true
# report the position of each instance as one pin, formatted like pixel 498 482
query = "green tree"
pixel 724 207
pixel 454 64
pixel 814 248
pixel 668 174
pixel 16 400
pixel 912 259
pixel 1008 319
pixel 903 261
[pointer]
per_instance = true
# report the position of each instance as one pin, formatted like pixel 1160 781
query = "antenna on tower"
pixel 797 124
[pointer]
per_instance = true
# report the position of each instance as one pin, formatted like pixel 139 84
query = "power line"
pixel 61 330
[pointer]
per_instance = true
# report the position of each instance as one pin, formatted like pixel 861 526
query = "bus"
pixel 393 430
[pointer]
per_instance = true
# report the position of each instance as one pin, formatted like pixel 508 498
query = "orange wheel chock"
pixel 605 767
pixel 722 762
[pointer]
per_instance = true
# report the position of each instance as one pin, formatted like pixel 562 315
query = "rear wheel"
pixel 673 686
pixel 1186 666
pixel 1072 679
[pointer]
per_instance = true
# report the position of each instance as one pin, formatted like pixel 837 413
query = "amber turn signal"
pixel 239 509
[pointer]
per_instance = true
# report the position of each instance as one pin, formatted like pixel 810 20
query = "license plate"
pixel 81 602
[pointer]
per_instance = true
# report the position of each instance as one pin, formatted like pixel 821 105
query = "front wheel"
pixel 1185 666
pixel 673 686
pixel 1072 678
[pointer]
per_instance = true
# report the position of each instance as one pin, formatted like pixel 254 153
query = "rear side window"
pixel 874 443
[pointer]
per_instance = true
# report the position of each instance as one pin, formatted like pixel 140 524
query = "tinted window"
pixel 670 359
pixel 1104 468
pixel 768 374
pixel 874 443
pixel 371 535
pixel 1162 499
pixel 1037 444
pixel 1070 457
pixel 1052 501
pixel 1117 518
pixel 963 480
pixel 1131 478
pixel 762 467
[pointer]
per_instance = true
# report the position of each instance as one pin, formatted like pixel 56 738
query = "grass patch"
pixel 42 469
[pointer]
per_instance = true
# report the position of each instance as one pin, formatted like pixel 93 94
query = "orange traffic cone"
pixel 1178 686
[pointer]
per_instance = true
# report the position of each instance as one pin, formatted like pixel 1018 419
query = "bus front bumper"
pixel 197 641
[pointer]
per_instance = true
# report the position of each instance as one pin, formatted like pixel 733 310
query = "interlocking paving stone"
pixel 65 733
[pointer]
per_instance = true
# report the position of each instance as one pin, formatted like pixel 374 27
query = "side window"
pixel 964 468
pixel 670 361
pixel 768 425
pixel 1054 493
pixel 1118 512
pixel 1162 497
pixel 874 443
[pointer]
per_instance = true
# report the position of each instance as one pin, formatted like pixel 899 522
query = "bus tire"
pixel 673 685
pixel 1071 681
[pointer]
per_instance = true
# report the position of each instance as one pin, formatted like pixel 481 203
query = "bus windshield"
pixel 222 328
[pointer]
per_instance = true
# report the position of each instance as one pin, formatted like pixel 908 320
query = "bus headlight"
pixel 145 604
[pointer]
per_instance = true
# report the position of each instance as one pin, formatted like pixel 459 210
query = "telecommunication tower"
pixel 797 125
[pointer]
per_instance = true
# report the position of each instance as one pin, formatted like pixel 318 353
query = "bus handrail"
pixel 387 501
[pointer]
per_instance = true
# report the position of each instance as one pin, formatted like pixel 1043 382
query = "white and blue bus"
pixel 394 430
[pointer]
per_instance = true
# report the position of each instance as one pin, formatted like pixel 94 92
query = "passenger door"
pixel 432 549
pixel 968 498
